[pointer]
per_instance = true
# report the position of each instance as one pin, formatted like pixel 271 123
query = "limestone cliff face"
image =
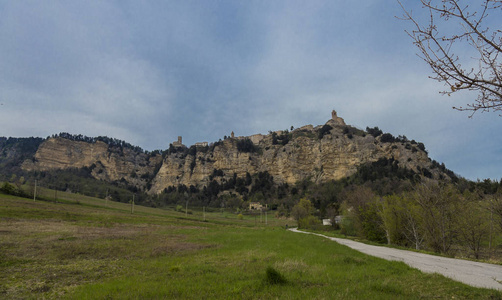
pixel 321 153
pixel 107 163
pixel 334 156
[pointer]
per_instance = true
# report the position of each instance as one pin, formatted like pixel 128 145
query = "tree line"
pixel 111 142
pixel 463 218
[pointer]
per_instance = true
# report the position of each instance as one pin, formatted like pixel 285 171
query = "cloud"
pixel 79 65
pixel 147 72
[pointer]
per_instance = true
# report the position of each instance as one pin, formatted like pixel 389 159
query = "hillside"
pixel 379 185
pixel 326 152
pixel 15 151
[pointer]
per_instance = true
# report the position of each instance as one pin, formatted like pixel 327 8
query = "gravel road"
pixel 469 272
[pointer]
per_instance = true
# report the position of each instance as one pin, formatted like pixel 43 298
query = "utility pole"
pixel 186 205
pixel 35 191
pixel 204 212
pixel 132 204
pixel 491 227
pixel 266 209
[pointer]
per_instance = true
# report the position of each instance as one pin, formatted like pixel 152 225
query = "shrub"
pixel 302 210
pixel 274 277
pixel 324 130
pixel 387 138
pixel 347 226
pixel 374 131
pixel 192 166
pixel 421 146
pixel 13 190
pixel 308 222
pixel 192 151
pixel 246 145
pixel 8 189
pixel 240 217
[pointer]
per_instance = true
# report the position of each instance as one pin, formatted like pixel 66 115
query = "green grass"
pixel 97 250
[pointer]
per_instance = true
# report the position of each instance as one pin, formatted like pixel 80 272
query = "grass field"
pixel 86 248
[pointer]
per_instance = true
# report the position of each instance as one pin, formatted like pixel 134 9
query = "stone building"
pixel 178 143
pixel 336 120
pixel 255 206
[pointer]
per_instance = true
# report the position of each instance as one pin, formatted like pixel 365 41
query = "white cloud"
pixel 148 72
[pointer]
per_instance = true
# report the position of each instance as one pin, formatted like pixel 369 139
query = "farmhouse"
pixel 255 206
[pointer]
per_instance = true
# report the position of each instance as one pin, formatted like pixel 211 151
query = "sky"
pixel 149 71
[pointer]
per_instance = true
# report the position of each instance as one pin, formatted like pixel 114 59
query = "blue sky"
pixel 148 71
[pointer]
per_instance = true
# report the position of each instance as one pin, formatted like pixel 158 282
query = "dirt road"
pixel 469 272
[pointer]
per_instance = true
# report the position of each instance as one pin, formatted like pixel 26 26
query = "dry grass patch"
pixel 48 258
pixel 300 272
pixel 291 265
pixel 177 247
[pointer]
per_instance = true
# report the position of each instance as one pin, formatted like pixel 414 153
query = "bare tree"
pixel 438 209
pixel 412 223
pixel 455 23
pixel 496 207
pixel 473 223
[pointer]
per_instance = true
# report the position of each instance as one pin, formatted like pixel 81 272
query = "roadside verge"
pixel 469 272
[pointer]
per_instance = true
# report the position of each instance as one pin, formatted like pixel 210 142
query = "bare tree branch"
pixel 439 47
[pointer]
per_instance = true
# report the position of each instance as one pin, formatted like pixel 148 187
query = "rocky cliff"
pixel 333 155
pixel 106 162
pixel 322 153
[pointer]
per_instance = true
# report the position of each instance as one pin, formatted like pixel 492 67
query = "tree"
pixel 412 223
pixel 325 129
pixel 303 214
pixel 496 206
pixel 387 138
pixel 390 211
pixel 245 145
pixel 441 45
pixel 363 211
pixel 302 209
pixel 374 131
pixel 439 213
pixel 474 223
pixel 8 188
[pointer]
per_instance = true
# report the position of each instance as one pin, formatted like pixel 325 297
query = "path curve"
pixel 469 272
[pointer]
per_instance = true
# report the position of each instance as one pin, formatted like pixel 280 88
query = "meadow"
pixel 87 248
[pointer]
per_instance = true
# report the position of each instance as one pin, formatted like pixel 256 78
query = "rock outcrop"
pixel 321 153
pixel 333 156
pixel 107 163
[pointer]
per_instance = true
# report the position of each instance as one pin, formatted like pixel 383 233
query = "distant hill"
pixel 15 151
pixel 319 154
